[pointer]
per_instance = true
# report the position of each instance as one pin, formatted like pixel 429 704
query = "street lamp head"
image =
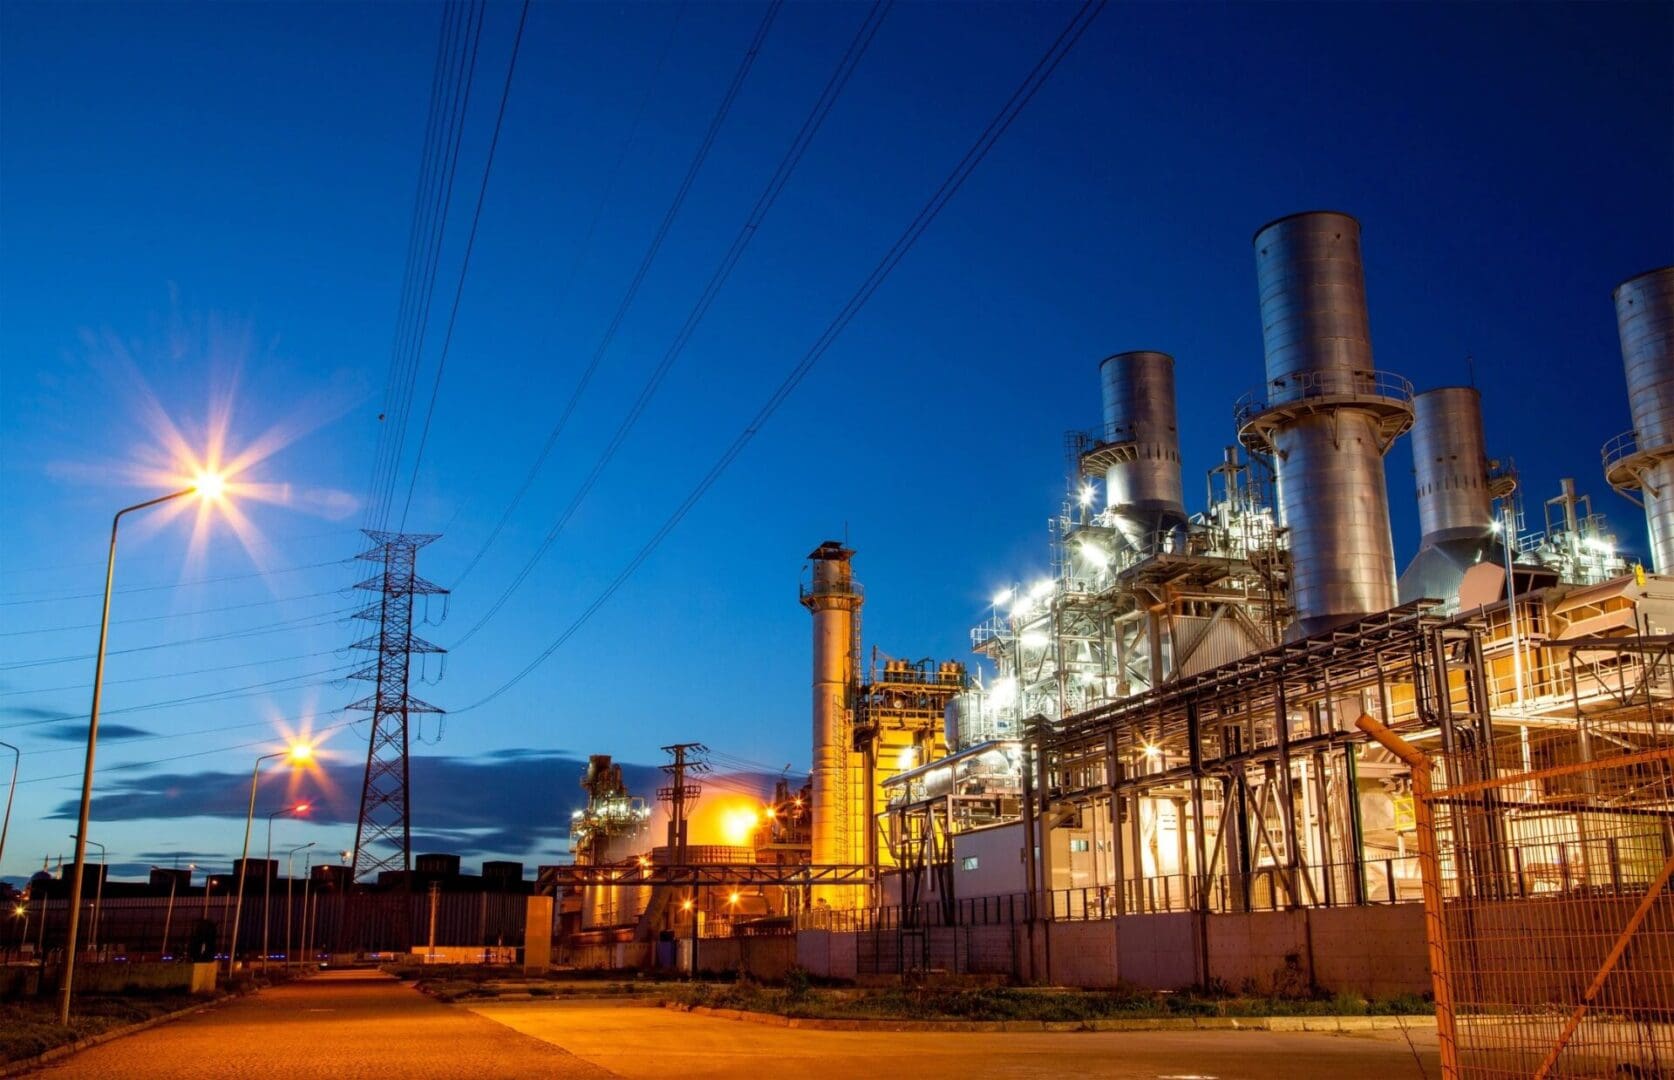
pixel 301 753
pixel 301 807
pixel 211 485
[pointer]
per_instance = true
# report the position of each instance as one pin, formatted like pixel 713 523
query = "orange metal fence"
pixel 1549 915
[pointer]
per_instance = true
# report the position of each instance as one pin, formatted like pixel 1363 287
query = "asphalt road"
pixel 348 1024
pixel 645 1043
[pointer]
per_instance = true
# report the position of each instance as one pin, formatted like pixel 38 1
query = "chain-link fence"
pixel 1549 918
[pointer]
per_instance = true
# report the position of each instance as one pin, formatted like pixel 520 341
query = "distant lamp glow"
pixel 685 905
pixel 1094 554
pixel 301 808
pixel 211 485
pixel 907 758
pixel 1042 589
pixel 20 910
pixel 1086 494
pixel 733 899
pixel 772 813
pixel 1498 526
pixel 1153 751
pixel 301 752
pixel 1003 597
pixel 738 824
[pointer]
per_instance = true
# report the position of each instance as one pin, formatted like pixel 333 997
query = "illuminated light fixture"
pixel 1094 554
pixel 1498 526
pixel 1003 597
pixel 301 752
pixel 907 758
pixel 211 485
pixel 772 813
pixel 685 905
pixel 733 899
pixel 301 808
pixel 1034 639
pixel 575 815
pixel 1042 589
pixel 1087 494
pixel 1153 751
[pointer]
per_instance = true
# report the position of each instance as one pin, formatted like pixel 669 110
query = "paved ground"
pixel 647 1043
pixel 347 1024
pixel 364 1024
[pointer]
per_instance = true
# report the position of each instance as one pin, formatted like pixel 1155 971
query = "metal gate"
pixel 1548 914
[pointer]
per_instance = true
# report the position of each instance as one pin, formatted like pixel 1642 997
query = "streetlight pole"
pixel 5 826
pixel 98 895
pixel 210 487
pixel 267 871
pixel 289 909
pixel 168 918
pixel 298 753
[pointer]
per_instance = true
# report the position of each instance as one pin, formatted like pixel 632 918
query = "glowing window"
pixel 969 862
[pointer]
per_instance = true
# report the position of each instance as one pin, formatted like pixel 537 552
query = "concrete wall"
pixel 1375 951
pixel 827 954
pixel 1158 951
pixel 768 959
pixel 1082 953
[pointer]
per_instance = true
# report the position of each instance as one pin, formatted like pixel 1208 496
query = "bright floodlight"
pixel 302 752
pixel 211 485
pixel 302 808
pixel 1086 494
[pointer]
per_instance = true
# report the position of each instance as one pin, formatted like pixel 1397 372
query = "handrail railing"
pixel 1304 385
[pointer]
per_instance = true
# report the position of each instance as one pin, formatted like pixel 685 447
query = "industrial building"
pixel 1158 763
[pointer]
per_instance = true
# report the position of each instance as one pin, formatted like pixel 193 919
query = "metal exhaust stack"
pixel 1640 463
pixel 1457 485
pixel 1327 417
pixel 1139 449
pixel 833 598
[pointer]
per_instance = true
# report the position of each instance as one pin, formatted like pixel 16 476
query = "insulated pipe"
pixel 1450 463
pixel 1327 417
pixel 833 599
pixel 1140 449
pixel 1645 323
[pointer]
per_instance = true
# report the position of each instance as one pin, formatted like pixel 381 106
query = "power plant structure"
pixel 1171 733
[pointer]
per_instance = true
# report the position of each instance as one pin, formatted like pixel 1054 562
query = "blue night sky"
pixel 204 204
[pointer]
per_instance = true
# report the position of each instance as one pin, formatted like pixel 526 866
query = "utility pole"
pixel 678 794
pixel 430 949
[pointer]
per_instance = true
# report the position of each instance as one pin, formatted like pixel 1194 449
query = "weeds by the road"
pixel 29 1026
pixel 1013 1003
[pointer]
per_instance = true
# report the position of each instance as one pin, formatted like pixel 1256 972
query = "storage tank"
pixel 1138 451
pixel 1640 463
pixel 1326 416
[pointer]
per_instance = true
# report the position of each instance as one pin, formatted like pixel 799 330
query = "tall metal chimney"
pixel 1640 463
pixel 1139 449
pixel 1327 417
pixel 833 598
pixel 1457 486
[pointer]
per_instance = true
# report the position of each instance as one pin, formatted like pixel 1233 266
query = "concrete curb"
pixel 30 1064
pixel 1183 1023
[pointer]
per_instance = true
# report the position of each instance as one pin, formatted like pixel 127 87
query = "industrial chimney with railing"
pixel 1326 417
pixel 1640 463
pixel 1457 484
pixel 1138 452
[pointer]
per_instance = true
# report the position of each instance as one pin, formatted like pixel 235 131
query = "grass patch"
pixel 1014 1003
pixel 30 1026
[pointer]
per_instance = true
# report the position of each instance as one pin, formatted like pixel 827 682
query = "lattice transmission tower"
pixel 383 839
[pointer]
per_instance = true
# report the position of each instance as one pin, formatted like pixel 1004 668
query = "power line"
pixel 758 213
pixel 174 614
pixel 15 571
pixel 178 584
pixel 400 391
pixel 584 248
pixel 650 255
pixel 300 623
pixel 265 661
pixel 227 694
pixel 1032 82
pixel 129 765
pixel 465 261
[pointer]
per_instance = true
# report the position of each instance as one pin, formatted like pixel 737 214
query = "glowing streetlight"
pixel 203 487
pixel 296 754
